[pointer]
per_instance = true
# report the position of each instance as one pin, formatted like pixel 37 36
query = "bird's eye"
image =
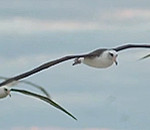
pixel 111 54
pixel 6 89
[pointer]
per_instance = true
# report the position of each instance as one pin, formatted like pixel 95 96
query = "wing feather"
pixel 128 46
pixel 46 99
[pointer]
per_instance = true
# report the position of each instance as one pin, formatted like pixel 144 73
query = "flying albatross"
pixel 5 91
pixel 100 58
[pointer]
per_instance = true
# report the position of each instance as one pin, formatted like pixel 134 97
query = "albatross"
pixel 100 58
pixel 105 57
pixel 5 91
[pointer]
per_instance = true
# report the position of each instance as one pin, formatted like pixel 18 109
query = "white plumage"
pixel 106 59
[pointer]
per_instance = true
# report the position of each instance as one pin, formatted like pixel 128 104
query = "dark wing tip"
pixel 127 46
pixel 144 57
pixel 46 99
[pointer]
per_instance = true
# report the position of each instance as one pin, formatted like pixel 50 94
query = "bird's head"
pixel 4 91
pixel 112 54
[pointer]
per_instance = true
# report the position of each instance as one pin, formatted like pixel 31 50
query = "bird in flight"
pixel 5 91
pixel 100 58
pixel 103 58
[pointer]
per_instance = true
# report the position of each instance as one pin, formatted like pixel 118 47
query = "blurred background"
pixel 33 32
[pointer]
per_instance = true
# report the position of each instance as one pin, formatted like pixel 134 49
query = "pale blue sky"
pixel 34 31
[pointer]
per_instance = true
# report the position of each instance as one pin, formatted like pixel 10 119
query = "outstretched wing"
pixel 42 67
pixel 120 48
pixel 46 99
pixel 32 84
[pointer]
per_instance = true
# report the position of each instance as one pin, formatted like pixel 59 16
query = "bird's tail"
pixel 76 61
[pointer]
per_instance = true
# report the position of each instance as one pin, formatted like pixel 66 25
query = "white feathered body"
pixel 3 93
pixel 102 61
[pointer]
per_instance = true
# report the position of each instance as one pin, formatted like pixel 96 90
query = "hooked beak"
pixel 9 94
pixel 115 60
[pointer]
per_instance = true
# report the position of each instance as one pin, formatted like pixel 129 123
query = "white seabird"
pixel 103 58
pixel 100 58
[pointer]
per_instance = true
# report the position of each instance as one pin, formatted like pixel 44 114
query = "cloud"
pixel 28 26
pixel 32 26
pixel 117 19
pixel 127 14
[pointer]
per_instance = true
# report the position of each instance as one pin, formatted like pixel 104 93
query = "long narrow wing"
pixel 144 57
pixel 37 86
pixel 40 68
pixel 46 99
pixel 57 61
pixel 120 48
pixel 32 84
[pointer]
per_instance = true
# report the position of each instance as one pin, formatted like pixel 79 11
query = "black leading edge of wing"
pixel 40 68
pixel 120 48
pixel 65 58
